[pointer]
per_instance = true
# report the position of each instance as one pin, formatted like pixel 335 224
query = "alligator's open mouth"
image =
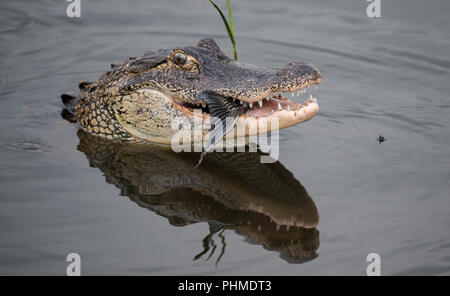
pixel 299 108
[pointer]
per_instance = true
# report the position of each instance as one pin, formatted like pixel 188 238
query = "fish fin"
pixel 224 115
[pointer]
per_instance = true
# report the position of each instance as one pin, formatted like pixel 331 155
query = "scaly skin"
pixel 139 99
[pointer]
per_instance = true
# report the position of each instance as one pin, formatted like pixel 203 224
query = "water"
pixel 381 76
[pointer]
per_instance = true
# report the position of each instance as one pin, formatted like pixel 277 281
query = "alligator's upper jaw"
pixel 265 94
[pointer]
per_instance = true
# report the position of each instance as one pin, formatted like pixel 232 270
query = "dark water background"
pixel 387 75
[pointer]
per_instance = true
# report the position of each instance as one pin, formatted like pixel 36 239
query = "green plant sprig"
pixel 228 26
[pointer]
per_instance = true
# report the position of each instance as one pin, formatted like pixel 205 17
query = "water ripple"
pixel 14 20
pixel 25 146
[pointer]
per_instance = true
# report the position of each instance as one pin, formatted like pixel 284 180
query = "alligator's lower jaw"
pixel 278 107
pixel 287 113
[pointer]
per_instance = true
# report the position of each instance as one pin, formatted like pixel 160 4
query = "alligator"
pixel 137 100
pixel 262 202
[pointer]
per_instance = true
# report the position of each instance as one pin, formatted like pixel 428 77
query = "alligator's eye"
pixel 179 58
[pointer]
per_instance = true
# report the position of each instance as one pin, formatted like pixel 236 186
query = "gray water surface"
pixel 385 76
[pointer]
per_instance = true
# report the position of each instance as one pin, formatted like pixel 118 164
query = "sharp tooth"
pixel 273 110
pixel 251 105
pixel 260 103
pixel 204 105
pixel 279 106
pixel 310 97
pixel 289 108
pixel 267 98
pixel 241 102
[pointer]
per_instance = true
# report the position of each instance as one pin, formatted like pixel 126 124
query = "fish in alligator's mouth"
pixel 139 99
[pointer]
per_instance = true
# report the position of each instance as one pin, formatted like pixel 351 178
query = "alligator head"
pixel 138 99
pixel 262 202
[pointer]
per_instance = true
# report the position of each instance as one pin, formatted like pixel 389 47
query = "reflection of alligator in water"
pixel 262 202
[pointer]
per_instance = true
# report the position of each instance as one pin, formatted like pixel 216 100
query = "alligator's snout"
pixel 296 74
pixel 248 83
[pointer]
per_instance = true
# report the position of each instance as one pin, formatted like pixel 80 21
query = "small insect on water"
pixel 381 139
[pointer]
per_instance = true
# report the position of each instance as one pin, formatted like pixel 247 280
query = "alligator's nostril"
pixel 299 70
pixel 316 71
